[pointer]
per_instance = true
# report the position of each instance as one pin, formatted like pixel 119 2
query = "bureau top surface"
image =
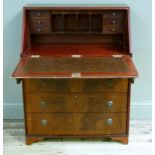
pixel 67 6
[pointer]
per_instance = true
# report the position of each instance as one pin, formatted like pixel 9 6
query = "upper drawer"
pixel 39 13
pixel 76 85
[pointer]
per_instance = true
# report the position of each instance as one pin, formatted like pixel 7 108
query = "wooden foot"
pixel 123 140
pixel 30 140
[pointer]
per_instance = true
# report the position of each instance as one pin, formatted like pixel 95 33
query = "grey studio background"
pixel 141 17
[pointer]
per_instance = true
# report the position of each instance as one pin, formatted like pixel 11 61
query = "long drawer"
pixel 76 102
pixel 76 85
pixel 76 123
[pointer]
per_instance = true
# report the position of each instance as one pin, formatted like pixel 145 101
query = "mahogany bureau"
pixel 76 70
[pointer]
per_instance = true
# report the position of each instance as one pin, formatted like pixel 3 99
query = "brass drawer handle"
pixel 43 83
pixel 43 104
pixel 109 104
pixel 109 83
pixel 109 121
pixel 44 122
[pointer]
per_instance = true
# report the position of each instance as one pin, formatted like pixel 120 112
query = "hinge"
pixel 117 56
pixel 76 56
pixel 35 56
pixel 76 75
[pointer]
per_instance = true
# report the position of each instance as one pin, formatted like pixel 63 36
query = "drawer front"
pixel 40 22
pixel 76 85
pixel 113 21
pixel 112 30
pixel 113 14
pixel 46 102
pixel 39 29
pixel 76 123
pixel 39 14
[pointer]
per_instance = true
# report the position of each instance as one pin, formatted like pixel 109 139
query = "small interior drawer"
pixel 40 22
pixel 113 21
pixel 40 29
pixel 39 13
pixel 113 14
pixel 113 29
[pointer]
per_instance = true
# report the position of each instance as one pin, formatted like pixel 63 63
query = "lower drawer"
pixel 76 123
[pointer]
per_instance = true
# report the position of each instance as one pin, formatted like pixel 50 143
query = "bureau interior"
pixel 85 28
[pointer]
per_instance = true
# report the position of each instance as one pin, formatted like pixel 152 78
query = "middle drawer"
pixel 76 102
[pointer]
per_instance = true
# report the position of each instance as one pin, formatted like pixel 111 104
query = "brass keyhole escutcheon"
pixel 43 104
pixel 76 96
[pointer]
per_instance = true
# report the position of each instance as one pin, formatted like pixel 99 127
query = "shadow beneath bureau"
pixel 32 139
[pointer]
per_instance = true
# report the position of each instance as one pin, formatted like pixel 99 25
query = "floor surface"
pixel 140 142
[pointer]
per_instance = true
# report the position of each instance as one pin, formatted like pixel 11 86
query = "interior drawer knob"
pixel 76 96
pixel 109 121
pixel 109 104
pixel 43 83
pixel 114 14
pixel 113 29
pixel 39 30
pixel 43 104
pixel 38 14
pixel 39 22
pixel 114 21
pixel 109 83
pixel 44 122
